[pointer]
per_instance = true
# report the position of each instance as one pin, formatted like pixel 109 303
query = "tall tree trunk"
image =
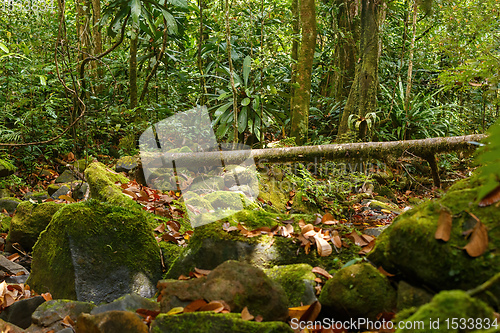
pixel 410 58
pixel 134 39
pixel 363 95
pixel 302 94
pixel 97 39
pixel 345 49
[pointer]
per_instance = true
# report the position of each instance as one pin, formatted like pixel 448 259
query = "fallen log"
pixel 425 149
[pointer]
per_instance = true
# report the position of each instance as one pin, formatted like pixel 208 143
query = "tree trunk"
pixel 134 39
pixel 345 49
pixel 302 94
pixel 363 95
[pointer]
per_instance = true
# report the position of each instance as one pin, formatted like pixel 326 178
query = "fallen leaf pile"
pixel 311 236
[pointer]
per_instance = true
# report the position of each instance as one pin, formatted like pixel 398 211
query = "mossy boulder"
pixel 5 193
pixel 6 168
pixel 206 184
pixel 126 164
pixel 28 222
pixel 408 246
pixel 298 282
pixel 238 284
pixel 207 322
pixel 66 177
pixel 50 314
pixel 211 245
pixel 96 252
pixel 102 186
pixel 5 223
pixel 111 322
pixel 411 296
pixel 446 305
pixel 358 291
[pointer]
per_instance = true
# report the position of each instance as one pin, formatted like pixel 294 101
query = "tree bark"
pixel 363 95
pixel 302 94
pixel 134 40
pixel 348 151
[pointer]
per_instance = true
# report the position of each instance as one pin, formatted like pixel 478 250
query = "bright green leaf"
pixel 245 101
pixel 247 66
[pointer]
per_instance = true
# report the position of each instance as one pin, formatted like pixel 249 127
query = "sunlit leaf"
pixel 444 225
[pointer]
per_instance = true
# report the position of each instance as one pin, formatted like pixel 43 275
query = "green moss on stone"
pixel 102 186
pixel 108 239
pixel 358 291
pixel 6 168
pixel 297 281
pixel 208 322
pixel 447 305
pixel 29 221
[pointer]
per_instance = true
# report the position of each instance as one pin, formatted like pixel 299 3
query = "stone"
pixel 17 279
pixel 297 281
pixel 96 252
pixel 6 168
pixel 51 312
pixel 66 177
pixel 19 313
pixel 11 267
pixel 446 305
pixel 28 222
pixel 130 302
pixel 37 197
pixel 375 204
pixel 102 186
pixel 238 284
pixel 408 247
pixel 411 296
pixel 63 190
pixel 7 327
pixel 5 193
pixel 9 204
pixel 358 291
pixel 126 164
pixel 207 322
pixel 110 322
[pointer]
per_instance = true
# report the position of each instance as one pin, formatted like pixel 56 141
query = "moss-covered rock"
pixel 50 314
pixel 207 322
pixel 297 281
pixel 66 177
pixel 408 246
pixel 227 200
pixel 111 321
pixel 102 186
pixel 210 245
pixel 358 291
pixel 238 284
pixel 28 222
pixel 202 204
pixel 6 168
pixel 96 252
pixel 446 305
pixel 126 164
pixel 410 296
pixel 5 223
pixel 36 196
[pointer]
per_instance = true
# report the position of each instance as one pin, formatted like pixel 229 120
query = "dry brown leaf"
pixel 14 256
pixel 47 296
pixel 245 314
pixel 306 228
pixel 491 198
pixel 327 217
pixel 202 271
pixel 322 272
pixel 324 249
pixel 366 249
pixel 443 231
pixel 298 311
pixel 478 241
pixel 259 318
pixel 160 228
pixel 356 239
pixel 336 239
pixel 384 272
pixel 195 305
pixel 311 313
pixel 214 306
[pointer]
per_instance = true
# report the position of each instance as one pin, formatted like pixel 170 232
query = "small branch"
pixel 485 286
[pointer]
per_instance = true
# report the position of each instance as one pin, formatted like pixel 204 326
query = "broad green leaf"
pixel 222 109
pixel 171 24
pixel 245 101
pixel 179 3
pixel 43 80
pixel 135 8
pixel 4 48
pixel 256 103
pixel 247 66
pixel 242 119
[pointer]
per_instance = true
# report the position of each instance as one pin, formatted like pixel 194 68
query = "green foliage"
pixel 489 158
